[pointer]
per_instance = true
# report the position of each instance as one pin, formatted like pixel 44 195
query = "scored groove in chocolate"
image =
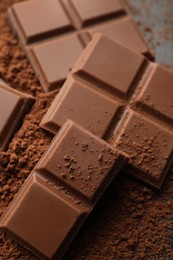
pixel 136 79
pixel 13 107
pixel 61 191
pixel 66 18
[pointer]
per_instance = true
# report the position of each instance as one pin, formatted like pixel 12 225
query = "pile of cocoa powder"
pixel 132 221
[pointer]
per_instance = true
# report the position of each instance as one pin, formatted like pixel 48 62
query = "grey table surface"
pixel 155 19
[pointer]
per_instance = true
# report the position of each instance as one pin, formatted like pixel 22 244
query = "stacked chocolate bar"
pixel 114 112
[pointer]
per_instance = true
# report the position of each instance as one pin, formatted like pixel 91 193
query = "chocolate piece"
pixel 88 11
pixel 143 101
pixel 81 160
pixel 148 144
pixel 54 60
pixel 158 100
pixel 46 19
pixel 86 106
pixel 13 106
pixel 104 63
pixel 69 24
pixel 41 218
pixel 61 191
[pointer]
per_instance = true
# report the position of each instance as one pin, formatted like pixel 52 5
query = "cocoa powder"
pixel 132 221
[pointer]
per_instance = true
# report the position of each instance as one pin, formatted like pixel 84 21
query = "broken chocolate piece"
pixel 13 106
pixel 54 44
pixel 83 104
pixel 61 191
pixel 142 105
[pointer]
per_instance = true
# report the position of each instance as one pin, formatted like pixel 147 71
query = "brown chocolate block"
pixel 114 71
pixel 84 105
pixel 61 191
pixel 13 106
pixel 104 62
pixel 41 219
pixel 156 95
pixel 80 160
pixel 37 19
pixel 149 146
pixel 43 39
pixel 54 59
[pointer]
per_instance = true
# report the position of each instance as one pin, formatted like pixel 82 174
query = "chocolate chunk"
pixel 55 200
pixel 48 18
pixel 89 176
pixel 156 95
pixel 54 60
pixel 53 44
pixel 90 10
pixel 109 65
pixel 83 104
pixel 13 106
pixel 42 218
pixel 149 145
pixel 142 96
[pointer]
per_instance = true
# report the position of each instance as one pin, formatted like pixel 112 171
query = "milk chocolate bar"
pixel 13 107
pixel 123 98
pixel 54 33
pixel 61 191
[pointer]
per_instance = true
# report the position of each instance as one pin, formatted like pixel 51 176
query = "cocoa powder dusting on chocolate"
pixel 132 221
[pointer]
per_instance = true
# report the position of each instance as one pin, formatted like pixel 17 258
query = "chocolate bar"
pixel 13 106
pixel 61 191
pixel 54 33
pixel 123 98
